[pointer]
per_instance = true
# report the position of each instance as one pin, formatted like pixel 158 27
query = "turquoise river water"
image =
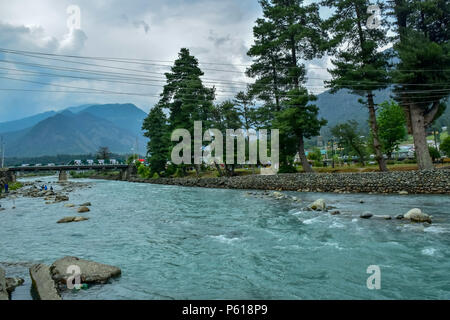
pixel 192 243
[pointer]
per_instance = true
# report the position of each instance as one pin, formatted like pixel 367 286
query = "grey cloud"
pixel 143 24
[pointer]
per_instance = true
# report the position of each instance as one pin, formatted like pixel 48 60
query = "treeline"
pixel 291 32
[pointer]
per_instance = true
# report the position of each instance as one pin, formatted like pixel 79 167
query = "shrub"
pixel 179 173
pixel 143 171
pixel 434 153
pixel 16 186
pixel 287 169
pixel 445 146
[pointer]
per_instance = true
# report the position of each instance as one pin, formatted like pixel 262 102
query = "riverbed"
pixel 195 243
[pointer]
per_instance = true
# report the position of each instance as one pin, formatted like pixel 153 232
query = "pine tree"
pixel 185 96
pixel 156 129
pixel 288 33
pixel 360 65
pixel 422 76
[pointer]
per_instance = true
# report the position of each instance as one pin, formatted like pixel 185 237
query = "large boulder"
pixel 43 283
pixel 416 215
pixel 3 293
pixel 91 272
pixel 318 205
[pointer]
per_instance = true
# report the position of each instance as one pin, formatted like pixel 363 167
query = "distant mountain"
pixel 343 106
pixel 24 123
pixel 77 130
pixel 125 116
pixel 69 133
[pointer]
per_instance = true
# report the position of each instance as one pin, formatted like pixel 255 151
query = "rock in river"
pixel 61 198
pixel 43 283
pixel 72 219
pixel 86 204
pixel 91 272
pixel 83 209
pixel 318 205
pixel 416 215
pixel 366 215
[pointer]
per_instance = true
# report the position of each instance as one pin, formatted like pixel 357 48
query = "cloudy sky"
pixel 217 32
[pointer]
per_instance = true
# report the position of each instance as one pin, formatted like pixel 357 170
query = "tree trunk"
pixel 374 128
pixel 301 154
pixel 420 138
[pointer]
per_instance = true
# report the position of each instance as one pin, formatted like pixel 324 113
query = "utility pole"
pixel 137 148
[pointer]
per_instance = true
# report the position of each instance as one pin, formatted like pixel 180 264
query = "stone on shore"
pixel 278 195
pixel 43 283
pixel 91 272
pixel 318 205
pixel 3 293
pixel 416 215
pixel 83 209
pixel 13 283
pixel 72 219
pixel 403 192
pixel 366 215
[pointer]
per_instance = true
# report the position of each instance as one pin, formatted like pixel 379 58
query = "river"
pixel 192 243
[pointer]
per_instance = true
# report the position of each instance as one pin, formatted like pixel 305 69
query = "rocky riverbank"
pixel 401 182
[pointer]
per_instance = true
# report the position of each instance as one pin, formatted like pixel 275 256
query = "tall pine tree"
pixel 288 33
pixel 185 96
pixel 422 77
pixel 360 65
pixel 156 129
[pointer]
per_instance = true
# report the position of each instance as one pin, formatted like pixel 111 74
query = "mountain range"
pixel 76 130
pixel 83 129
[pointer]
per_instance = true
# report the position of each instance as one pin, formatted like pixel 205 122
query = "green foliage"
pixel 315 155
pixel 15 186
pixel 288 32
pixel 143 171
pixel 155 176
pixel 179 173
pixel 285 168
pixel 156 129
pixel 392 125
pixel 434 153
pixel 349 137
pixel 445 146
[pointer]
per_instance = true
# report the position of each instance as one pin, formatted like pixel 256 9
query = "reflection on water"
pixel 192 243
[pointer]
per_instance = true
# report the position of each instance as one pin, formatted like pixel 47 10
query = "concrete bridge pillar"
pixel 126 174
pixel 62 175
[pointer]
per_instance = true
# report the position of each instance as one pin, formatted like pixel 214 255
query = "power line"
pixel 139 61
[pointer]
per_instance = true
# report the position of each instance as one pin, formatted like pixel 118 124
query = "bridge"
pixel 125 170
